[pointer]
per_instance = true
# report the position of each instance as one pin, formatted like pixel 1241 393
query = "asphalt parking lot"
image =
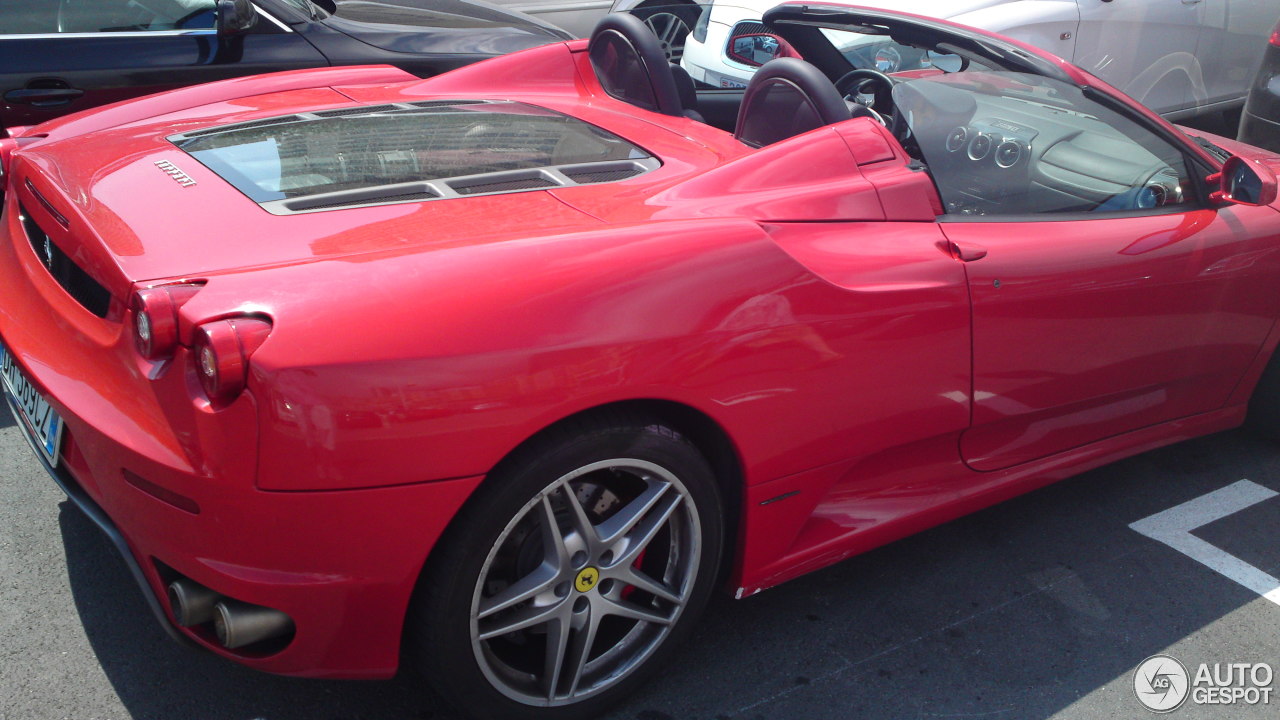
pixel 1039 608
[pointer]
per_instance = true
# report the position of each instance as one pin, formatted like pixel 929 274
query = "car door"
pixel 1107 293
pixel 61 56
pixel 1232 40
pixel 1146 48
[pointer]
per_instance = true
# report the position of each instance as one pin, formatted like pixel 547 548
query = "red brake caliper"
pixel 626 591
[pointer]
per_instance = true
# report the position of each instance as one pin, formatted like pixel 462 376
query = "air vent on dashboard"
pixel 1008 153
pixel 980 146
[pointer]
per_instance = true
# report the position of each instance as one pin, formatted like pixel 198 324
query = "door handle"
pixel 967 252
pixel 43 97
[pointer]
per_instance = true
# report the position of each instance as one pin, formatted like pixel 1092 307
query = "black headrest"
pixel 688 93
pixel 629 62
pixel 684 87
pixel 786 97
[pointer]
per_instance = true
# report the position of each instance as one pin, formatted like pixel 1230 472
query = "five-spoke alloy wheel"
pixel 556 606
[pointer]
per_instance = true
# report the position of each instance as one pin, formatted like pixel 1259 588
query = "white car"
pixel 1179 57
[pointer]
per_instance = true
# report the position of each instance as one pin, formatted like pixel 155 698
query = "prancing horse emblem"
pixel 586 579
pixel 48 253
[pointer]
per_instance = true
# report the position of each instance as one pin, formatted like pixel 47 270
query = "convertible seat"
pixel 687 91
pixel 630 64
pixel 786 97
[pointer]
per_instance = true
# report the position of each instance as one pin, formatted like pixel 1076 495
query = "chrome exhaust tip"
pixel 238 624
pixel 192 603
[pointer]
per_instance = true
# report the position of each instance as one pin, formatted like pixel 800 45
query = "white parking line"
pixel 1173 528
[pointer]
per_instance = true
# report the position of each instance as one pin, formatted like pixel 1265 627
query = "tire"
pixel 671 22
pixel 1264 404
pixel 604 535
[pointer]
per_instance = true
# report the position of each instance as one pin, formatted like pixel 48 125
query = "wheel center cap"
pixel 587 579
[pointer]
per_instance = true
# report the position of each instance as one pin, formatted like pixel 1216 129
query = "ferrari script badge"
pixel 176 173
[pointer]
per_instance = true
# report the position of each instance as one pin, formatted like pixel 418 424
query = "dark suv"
pixel 60 56
pixel 1260 121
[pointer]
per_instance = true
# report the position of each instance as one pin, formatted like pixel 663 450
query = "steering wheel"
pixel 865 81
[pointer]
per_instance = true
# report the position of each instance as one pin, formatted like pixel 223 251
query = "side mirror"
pixel 1243 182
pixel 756 49
pixel 235 17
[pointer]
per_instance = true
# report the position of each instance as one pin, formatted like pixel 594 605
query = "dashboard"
pixel 994 154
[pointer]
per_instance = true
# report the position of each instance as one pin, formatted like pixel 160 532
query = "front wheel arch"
pixel 706 434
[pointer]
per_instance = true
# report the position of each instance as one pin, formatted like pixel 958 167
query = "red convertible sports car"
pixel 509 369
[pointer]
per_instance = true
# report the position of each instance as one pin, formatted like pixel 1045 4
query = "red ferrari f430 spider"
pixel 511 368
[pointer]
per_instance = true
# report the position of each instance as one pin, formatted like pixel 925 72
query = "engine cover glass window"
pixel 357 148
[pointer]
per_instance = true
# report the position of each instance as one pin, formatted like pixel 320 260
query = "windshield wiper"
pixel 1214 150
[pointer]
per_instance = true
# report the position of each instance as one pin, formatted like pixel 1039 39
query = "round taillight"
pixel 222 349
pixel 7 146
pixel 155 319
pixel 155 323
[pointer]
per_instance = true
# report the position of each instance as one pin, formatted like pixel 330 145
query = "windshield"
pixel 722 45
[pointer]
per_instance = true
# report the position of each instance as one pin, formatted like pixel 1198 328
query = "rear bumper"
pixel 341 564
pixel 81 499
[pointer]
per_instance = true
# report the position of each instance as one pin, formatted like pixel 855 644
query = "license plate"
pixel 38 419
pixel 728 84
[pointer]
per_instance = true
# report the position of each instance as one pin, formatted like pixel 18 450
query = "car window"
pixel 1004 143
pixel 48 17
